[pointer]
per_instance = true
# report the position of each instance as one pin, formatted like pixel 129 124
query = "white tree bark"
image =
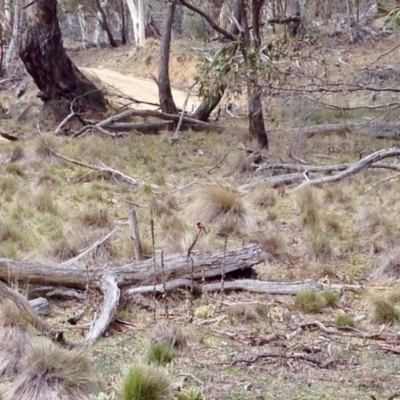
pixel 19 21
pixel 142 14
pixel 99 33
pixel 82 18
pixel 7 9
pixel 133 10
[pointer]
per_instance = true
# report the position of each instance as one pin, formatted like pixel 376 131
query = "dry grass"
pixel 242 312
pixel 13 339
pixel 337 233
pixel 210 204
pixel 51 372
pixel 171 335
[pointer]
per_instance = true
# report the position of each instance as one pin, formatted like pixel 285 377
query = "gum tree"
pixel 59 81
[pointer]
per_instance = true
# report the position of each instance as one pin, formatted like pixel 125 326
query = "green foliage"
pixel 192 393
pixel 160 354
pixel 145 382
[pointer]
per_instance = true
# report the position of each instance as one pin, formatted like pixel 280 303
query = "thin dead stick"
pixel 153 246
pixel 220 161
pixel 88 249
pixel 381 182
pixel 134 228
pixel 223 271
pixel 352 169
pixel 29 314
pixel 106 169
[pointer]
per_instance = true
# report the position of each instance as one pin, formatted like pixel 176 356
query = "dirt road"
pixel 138 88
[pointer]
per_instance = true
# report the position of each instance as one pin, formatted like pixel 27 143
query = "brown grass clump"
pixel 95 217
pixel 166 205
pixel 43 200
pixel 50 372
pixel 15 169
pixel 385 311
pixel 264 197
pixel 171 335
pixel 211 203
pixel 13 339
pixel 274 244
pixel 391 268
pixel 64 249
pixel 242 312
pixel 17 154
pixel 44 146
pixel 320 226
pixel 8 232
pixel 178 236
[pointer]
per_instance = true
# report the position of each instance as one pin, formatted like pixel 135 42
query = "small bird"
pixel 201 227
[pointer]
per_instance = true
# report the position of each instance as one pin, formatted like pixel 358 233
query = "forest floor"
pixel 240 345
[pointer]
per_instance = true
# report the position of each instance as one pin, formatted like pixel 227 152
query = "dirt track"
pixel 138 88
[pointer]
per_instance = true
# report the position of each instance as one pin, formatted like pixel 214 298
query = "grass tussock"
pixel 64 248
pixel 321 226
pixel 9 232
pixel 385 311
pixel 390 268
pixel 95 217
pixel 50 372
pixel 191 393
pixel 344 320
pixel 331 297
pixel 210 204
pixel 264 197
pixel 17 154
pixel 145 382
pixel 160 354
pixel 161 206
pixel 170 335
pixel 309 301
pixel 178 236
pixel 13 339
pixel 44 146
pixel 274 244
pixel 15 169
pixel 242 312
pixel 44 201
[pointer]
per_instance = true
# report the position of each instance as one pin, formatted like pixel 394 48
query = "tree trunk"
pixel 164 85
pixel 124 38
pixel 135 19
pixel 142 33
pixel 207 106
pixel 104 23
pixel 19 22
pixel 45 59
pixel 296 9
pixel 249 48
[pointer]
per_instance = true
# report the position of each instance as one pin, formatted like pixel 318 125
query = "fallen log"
pixel 187 121
pixel 377 130
pixel 175 266
pixel 110 280
pixel 250 285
